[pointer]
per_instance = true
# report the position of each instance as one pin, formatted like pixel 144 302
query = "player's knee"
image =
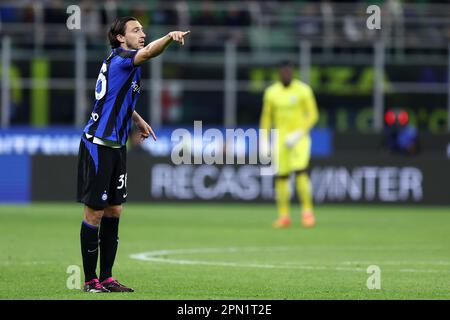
pixel 93 216
pixel 113 211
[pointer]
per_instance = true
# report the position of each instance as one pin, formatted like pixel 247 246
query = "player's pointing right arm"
pixel 155 48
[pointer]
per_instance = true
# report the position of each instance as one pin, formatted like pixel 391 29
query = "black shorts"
pixel 102 175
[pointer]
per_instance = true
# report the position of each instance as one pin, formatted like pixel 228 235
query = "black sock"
pixel 89 250
pixel 109 238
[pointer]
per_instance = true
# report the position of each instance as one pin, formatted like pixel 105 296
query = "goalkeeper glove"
pixel 293 137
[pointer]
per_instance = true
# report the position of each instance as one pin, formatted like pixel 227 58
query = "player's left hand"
pixel 145 129
pixel 293 138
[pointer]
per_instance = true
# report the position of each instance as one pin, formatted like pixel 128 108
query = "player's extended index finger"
pixel 152 134
pixel 186 33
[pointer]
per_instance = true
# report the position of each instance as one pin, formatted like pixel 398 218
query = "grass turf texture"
pixel 411 245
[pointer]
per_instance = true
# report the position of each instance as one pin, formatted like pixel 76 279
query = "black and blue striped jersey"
pixel 116 93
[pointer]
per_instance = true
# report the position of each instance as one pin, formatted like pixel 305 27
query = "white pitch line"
pixel 398 263
pixel 144 257
pixel 22 263
pixel 423 271
pixel 159 256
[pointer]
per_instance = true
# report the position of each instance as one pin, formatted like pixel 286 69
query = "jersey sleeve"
pixel 312 113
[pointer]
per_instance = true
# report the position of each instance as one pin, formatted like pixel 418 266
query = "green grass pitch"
pixel 224 251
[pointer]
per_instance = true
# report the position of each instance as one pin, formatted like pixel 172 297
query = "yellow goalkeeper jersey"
pixel 289 108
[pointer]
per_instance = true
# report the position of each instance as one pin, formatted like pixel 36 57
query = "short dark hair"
pixel 118 27
pixel 286 63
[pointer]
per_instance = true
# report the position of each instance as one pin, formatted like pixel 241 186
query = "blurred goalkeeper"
pixel 290 107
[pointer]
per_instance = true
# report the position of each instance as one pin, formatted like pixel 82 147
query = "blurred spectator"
pixel 399 136
pixel 109 12
pixel 28 13
pixel 55 17
pixel 141 13
pixel 352 30
pixel 235 19
pixel 392 15
pixel 183 16
pixel 91 23
pixel 308 22
pixel 171 102
pixel 447 33
pixel 162 15
pixel 8 13
pixel 428 75
pixel 209 39
pixel 55 12
pixel 207 16
pixel 327 11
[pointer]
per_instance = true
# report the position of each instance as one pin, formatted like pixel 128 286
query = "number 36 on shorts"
pixel 122 181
